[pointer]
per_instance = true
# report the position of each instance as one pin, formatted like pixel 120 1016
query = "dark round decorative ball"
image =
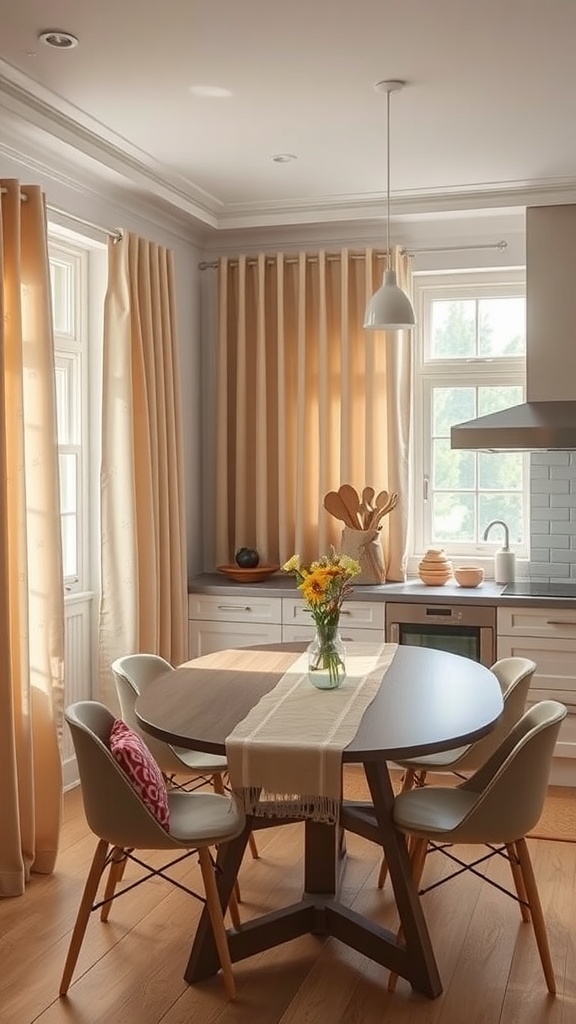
pixel 247 558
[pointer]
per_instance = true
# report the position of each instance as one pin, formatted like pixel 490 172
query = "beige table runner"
pixel 285 757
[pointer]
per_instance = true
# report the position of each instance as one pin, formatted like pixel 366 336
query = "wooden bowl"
pixel 256 575
pixel 469 575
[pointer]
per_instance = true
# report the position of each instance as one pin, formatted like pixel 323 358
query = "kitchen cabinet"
pixel 216 623
pixel 548 636
pixel 359 620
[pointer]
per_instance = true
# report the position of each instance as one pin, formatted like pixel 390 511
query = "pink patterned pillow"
pixel 144 774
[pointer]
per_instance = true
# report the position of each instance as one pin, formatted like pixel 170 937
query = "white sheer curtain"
pixel 307 400
pixel 143 538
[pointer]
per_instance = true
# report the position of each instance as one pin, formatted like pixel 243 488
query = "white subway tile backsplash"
pixel 553 515
pixel 550 514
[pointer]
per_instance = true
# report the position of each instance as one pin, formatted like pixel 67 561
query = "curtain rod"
pixel 333 256
pixel 115 234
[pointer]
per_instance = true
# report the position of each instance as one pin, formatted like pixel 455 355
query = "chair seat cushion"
pixel 137 762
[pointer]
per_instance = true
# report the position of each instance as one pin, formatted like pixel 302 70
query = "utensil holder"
pixel 366 548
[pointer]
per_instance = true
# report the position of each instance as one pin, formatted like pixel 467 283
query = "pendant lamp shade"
pixel 389 309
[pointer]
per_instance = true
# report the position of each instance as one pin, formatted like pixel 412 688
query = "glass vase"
pixel 327 658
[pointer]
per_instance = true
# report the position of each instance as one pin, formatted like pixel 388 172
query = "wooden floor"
pixel 130 969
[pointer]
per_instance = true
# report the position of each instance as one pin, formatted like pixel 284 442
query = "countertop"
pixel 282 585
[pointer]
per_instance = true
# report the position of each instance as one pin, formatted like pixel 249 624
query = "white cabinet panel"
pixel 206 637
pixel 305 633
pixel 354 615
pixel 548 637
pixel 526 621
pixel 235 608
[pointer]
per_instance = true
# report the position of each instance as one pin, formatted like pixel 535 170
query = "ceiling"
pixel 486 118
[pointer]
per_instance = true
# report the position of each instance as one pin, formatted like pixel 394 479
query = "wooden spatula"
pixel 351 500
pixel 334 504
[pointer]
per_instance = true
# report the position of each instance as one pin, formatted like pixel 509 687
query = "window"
pixel 470 361
pixel 68 285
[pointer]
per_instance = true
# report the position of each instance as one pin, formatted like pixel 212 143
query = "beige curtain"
pixel 143 537
pixel 31 587
pixel 307 400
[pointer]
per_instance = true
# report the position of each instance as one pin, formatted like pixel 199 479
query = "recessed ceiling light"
pixel 211 91
pixel 58 40
pixel 284 158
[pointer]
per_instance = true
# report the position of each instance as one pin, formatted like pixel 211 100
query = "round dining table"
pixel 428 701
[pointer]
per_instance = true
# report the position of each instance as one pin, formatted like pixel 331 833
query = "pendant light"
pixel 389 308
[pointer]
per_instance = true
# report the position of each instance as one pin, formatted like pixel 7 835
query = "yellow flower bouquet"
pixel 325 585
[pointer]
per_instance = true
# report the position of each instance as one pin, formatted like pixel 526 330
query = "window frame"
pixel 430 373
pixel 71 347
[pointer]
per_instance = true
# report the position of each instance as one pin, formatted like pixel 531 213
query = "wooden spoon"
pixel 334 504
pixel 351 499
pixel 384 510
pixel 367 507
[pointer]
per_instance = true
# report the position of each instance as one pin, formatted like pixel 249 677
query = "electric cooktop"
pixel 539 588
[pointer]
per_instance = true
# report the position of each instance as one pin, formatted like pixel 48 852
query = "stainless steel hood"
pixel 547 420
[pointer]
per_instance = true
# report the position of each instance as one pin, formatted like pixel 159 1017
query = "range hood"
pixel 547 420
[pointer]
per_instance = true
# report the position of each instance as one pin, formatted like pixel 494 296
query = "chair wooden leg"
pixel 518 882
pixel 217 920
pixel 86 903
pixel 411 780
pixel 233 908
pixel 538 921
pixel 117 868
pixel 419 848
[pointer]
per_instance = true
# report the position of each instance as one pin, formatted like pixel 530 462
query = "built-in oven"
pixel 469 630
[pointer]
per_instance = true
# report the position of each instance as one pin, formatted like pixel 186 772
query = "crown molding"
pixel 109 154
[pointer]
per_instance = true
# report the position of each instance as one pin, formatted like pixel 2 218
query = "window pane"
pixel 451 405
pixel 493 399
pixel 453 517
pixel 453 329
pixel 62 297
pixel 68 482
pixel 507 507
pixel 69 546
pixel 502 327
pixel 452 470
pixel 501 471
pixel 62 376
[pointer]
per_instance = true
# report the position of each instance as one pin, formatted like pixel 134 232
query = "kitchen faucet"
pixel 499 522
pixel 504 560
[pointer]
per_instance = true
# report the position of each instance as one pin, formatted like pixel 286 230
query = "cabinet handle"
pixel 559 622
pixel 233 608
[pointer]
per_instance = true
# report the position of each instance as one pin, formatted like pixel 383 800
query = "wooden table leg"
pixel 419 966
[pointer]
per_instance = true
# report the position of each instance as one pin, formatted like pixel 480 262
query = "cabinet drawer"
pixel 354 614
pixel 525 621
pixel 305 633
pixel 555 675
pixel 237 608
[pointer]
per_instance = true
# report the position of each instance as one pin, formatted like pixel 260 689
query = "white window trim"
pixel 428 373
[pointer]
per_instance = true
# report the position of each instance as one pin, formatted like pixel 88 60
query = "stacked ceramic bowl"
pixel 435 570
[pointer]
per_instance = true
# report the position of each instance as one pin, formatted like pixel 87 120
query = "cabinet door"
pixel 207 637
pixel 305 632
pixel 555 675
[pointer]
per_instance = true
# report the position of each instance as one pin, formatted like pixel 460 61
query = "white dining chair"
pixel 132 674
pixel 496 807
pixel 124 823
pixel 514 676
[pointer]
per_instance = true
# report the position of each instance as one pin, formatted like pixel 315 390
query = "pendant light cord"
pixel 388 260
